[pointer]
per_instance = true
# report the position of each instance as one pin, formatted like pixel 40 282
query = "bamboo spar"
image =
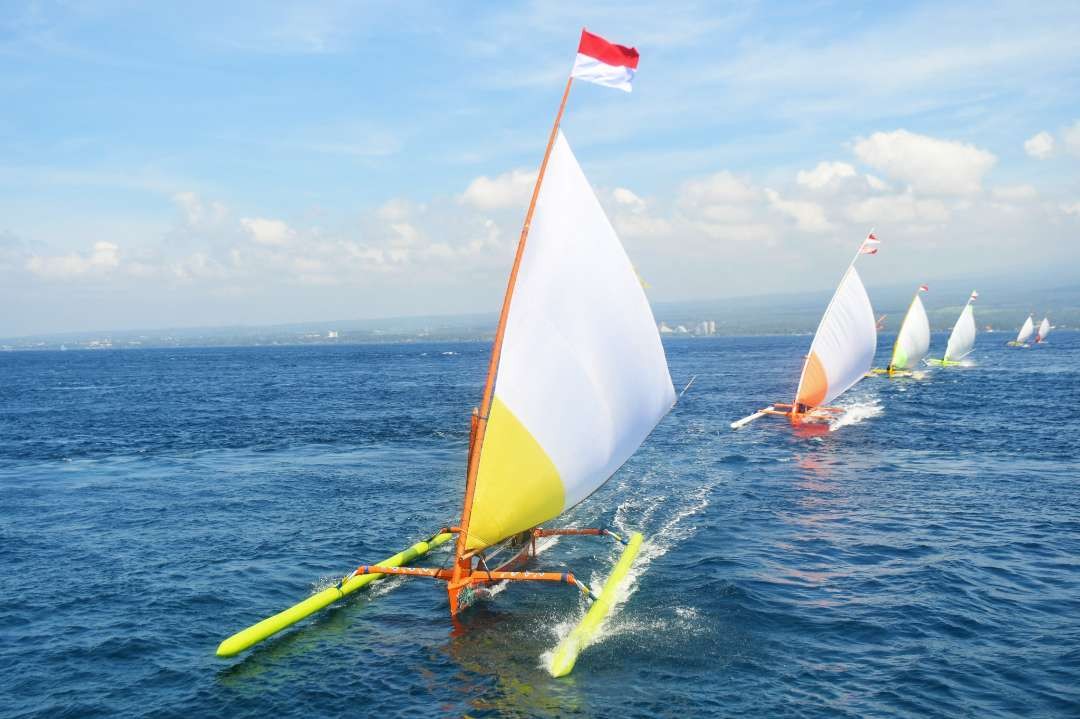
pixel 496 351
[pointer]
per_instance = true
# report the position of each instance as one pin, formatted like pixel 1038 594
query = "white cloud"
pixel 719 188
pixel 927 164
pixel 876 183
pixel 628 199
pixel 509 189
pixel 198 213
pixel 808 216
pixel 897 209
pixel 1071 136
pixel 824 175
pixel 197 266
pixel 632 219
pixel 1073 209
pixel 274 233
pixel 104 257
pixel 1015 193
pixel 641 225
pixel 1039 146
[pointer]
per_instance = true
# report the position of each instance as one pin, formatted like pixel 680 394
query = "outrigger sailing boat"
pixel 840 355
pixel 1044 329
pixel 577 380
pixel 962 338
pixel 912 342
pixel 1024 335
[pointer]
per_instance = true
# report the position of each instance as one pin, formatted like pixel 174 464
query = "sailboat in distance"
pixel 912 341
pixel 840 355
pixel 1024 334
pixel 576 381
pixel 962 338
pixel 1044 330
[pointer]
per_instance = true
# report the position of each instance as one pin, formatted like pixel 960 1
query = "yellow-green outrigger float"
pixel 577 380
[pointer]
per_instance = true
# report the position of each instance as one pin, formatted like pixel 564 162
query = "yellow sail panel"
pixel 582 368
pixel 517 486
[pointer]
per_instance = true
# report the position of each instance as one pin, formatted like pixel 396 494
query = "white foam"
pixel 855 413
pixel 670 533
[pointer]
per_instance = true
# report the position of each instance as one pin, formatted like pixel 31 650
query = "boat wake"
pixel 856 413
pixel 633 513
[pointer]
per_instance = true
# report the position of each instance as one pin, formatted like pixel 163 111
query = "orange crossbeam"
pixel 431 572
pixel 478 575
pixel 481 575
pixel 562 532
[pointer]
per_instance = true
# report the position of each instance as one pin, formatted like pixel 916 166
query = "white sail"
pixel 1044 329
pixel 1025 331
pixel 843 348
pixel 913 342
pixel 962 339
pixel 582 378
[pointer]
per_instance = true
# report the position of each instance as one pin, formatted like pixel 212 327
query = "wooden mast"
pixel 462 565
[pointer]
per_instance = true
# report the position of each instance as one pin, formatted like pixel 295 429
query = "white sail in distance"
pixel 1025 331
pixel 843 347
pixel 913 341
pixel 1044 329
pixel 962 339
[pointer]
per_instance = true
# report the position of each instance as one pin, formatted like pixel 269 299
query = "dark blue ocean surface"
pixel 923 560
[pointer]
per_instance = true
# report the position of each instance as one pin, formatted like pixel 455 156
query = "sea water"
pixel 920 557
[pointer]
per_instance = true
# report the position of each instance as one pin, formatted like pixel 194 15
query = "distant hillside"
pixel 1002 304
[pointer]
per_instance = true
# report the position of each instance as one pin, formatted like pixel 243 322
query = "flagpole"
pixel 461 564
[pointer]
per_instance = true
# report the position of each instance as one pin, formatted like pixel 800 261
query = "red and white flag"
pixel 868 245
pixel 974 296
pixel 924 288
pixel 604 63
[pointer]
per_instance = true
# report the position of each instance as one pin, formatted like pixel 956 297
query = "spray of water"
pixel 633 513
pixel 856 413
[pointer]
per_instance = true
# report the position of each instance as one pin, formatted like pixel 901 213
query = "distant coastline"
pixel 1002 308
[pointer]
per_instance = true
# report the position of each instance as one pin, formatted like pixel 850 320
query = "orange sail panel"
pixel 843 348
pixel 582 379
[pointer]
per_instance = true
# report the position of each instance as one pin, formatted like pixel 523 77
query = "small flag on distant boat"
pixel 605 63
pixel 974 296
pixel 924 288
pixel 868 245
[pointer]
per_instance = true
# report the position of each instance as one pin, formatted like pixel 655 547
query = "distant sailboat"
pixel 840 355
pixel 1024 335
pixel 1044 330
pixel 913 340
pixel 962 339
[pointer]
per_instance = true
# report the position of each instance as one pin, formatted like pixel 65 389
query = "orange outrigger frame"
pixel 481 576
pixel 799 413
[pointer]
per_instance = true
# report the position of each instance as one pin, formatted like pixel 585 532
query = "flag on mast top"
pixel 605 63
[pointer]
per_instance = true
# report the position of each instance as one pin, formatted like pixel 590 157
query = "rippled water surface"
pixel 922 560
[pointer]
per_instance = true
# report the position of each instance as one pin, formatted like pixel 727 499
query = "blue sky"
pixel 223 163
